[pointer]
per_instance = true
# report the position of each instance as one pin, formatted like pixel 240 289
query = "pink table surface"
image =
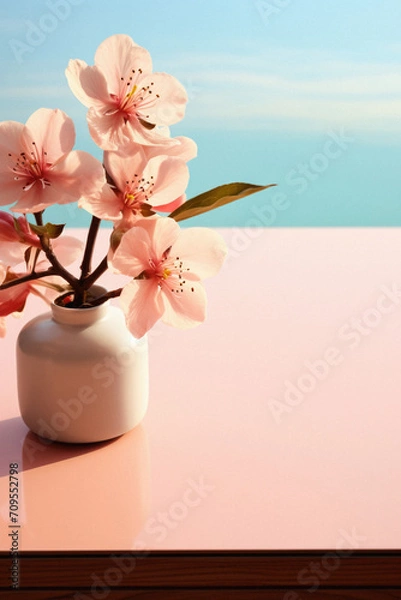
pixel 274 425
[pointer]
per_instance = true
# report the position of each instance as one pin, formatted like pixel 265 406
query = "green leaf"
pixel 219 196
pixel 50 230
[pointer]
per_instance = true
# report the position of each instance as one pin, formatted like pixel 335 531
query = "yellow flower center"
pixel 129 200
pixel 166 273
pixel 132 92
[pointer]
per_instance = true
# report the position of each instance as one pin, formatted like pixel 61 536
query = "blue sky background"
pixel 302 93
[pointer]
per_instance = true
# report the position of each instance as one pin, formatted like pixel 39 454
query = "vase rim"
pixel 97 291
pixel 84 315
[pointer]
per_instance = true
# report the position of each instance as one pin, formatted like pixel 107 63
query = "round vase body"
pixel 82 377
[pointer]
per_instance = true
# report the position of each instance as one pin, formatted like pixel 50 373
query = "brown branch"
pixel 94 276
pixel 26 278
pixel 90 242
pixel 51 257
pixel 107 296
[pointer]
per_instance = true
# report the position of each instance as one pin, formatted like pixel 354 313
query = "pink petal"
pixel 13 230
pixel 122 168
pixel 79 174
pixel 117 56
pixel 12 253
pixel 108 131
pixel 88 84
pixel 163 233
pixel 73 73
pixel 202 250
pixel 52 131
pixel 170 206
pixel 186 149
pixel 3 330
pixel 36 199
pixel 10 142
pixel 67 249
pixel 171 176
pixel 13 299
pixel 104 205
pixel 134 253
pixel 135 132
pixel 10 190
pixel 184 309
pixel 142 304
pixel 170 107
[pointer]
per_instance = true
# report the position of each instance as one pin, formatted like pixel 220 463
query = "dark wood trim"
pixel 267 575
pixel 209 594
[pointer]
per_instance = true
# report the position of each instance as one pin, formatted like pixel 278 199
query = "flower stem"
pixel 94 276
pixel 39 218
pixel 58 267
pixel 26 278
pixel 107 296
pixel 90 242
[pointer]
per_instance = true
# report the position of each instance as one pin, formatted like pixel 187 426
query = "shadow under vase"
pixel 80 497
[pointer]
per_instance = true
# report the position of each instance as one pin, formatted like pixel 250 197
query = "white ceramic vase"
pixel 82 376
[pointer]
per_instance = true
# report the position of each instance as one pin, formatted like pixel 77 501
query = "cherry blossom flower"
pixel 38 167
pixel 167 265
pixel 138 185
pixel 126 101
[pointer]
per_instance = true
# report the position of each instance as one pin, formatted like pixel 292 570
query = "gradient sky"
pixel 301 93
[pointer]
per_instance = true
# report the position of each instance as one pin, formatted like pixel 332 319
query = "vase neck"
pixel 79 316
